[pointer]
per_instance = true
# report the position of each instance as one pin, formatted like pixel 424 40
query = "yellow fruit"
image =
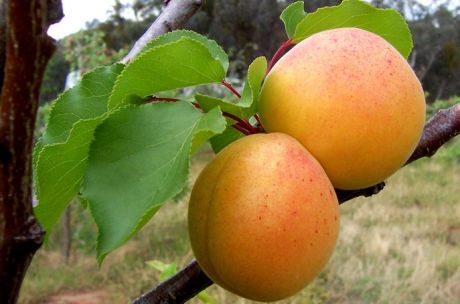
pixel 263 217
pixel 351 99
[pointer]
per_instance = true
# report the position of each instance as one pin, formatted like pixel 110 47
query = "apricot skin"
pixel 351 99
pixel 263 217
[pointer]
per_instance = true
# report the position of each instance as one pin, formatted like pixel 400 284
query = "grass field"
pixel 401 246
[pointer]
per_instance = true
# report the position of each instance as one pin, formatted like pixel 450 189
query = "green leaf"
pixel 61 154
pixel 138 160
pixel 208 103
pixel 291 16
pixel 387 23
pixel 220 141
pixel 247 105
pixel 88 99
pixel 182 63
pixel 251 91
pixel 206 298
pixel 216 51
pixel 166 270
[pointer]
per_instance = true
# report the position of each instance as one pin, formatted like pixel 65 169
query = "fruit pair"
pixel 263 215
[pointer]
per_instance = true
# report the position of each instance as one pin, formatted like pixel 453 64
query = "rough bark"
pixel 27 50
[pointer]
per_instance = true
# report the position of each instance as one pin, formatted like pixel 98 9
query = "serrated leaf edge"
pixel 36 182
pixel 140 57
pixel 152 210
pixel 297 3
pixel 149 46
pixel 344 2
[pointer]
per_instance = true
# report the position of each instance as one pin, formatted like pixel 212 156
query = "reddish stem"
pixel 287 44
pixel 231 88
pixel 243 123
pixel 241 129
pixel 259 123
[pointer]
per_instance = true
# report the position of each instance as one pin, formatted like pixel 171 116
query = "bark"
pixel 183 286
pixel 174 16
pixel 27 50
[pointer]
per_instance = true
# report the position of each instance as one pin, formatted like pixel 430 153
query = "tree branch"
pixel 184 285
pixel 174 16
pixel 181 287
pixel 27 50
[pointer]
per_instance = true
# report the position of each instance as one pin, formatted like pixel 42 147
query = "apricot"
pixel 351 99
pixel 263 217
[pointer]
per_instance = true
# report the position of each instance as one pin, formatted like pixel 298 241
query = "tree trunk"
pixel 26 53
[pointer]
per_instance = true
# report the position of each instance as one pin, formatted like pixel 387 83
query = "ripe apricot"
pixel 351 99
pixel 263 217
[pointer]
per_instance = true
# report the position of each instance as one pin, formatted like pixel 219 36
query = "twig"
pixel 174 16
pixel 443 126
pixel 178 289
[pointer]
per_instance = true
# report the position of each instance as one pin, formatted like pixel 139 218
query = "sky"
pixel 78 12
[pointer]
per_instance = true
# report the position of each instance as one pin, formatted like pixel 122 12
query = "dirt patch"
pixel 79 297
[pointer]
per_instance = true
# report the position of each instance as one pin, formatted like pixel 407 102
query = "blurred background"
pixel 401 246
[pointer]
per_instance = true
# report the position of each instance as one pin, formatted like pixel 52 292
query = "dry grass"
pixel 401 246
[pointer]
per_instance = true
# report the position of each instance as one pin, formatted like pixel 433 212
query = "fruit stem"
pixel 231 88
pixel 259 123
pixel 242 123
pixel 241 129
pixel 287 44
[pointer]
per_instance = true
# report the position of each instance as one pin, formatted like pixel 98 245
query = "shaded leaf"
pixel 247 105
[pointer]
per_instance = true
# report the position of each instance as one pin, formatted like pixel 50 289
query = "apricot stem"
pixel 231 88
pixel 287 44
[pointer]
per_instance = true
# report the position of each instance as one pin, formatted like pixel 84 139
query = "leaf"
pixel 291 16
pixel 88 99
pixel 166 270
pixel 60 157
pixel 220 141
pixel 139 159
pixel 208 103
pixel 387 23
pixel 247 105
pixel 206 298
pixel 216 51
pixel 182 63
pixel 251 91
